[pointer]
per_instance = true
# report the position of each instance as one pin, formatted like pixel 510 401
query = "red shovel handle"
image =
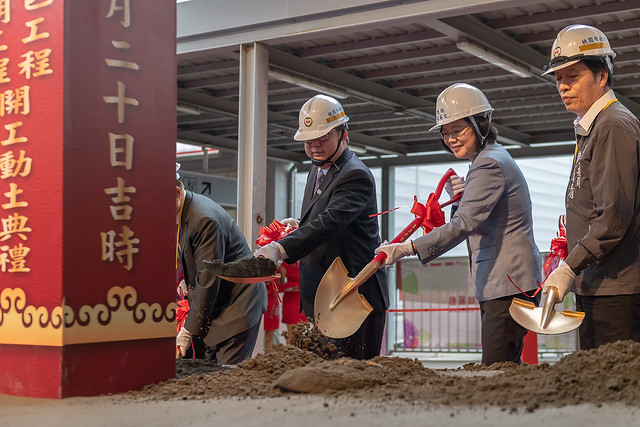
pixel 441 185
pixel 404 235
pixel 415 224
pixel 377 261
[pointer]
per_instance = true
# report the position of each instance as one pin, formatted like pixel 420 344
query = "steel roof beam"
pixel 396 39
pixel 571 13
pixel 387 58
pixel 506 45
pixel 189 70
pixel 198 138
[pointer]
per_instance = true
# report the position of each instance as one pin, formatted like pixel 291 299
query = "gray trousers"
pixel 235 349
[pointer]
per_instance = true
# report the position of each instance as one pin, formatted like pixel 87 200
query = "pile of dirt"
pixel 243 267
pixel 610 373
pixel 309 338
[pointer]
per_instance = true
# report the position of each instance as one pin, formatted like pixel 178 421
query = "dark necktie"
pixel 319 179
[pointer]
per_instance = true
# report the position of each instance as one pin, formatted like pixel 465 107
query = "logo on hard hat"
pixel 557 51
pixel 308 121
pixel 441 114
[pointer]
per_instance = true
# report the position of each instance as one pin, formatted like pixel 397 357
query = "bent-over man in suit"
pixel 224 317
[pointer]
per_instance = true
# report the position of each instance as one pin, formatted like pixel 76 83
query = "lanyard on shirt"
pixel 178 233
pixel 575 153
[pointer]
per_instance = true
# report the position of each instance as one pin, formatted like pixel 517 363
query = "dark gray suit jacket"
pixel 335 223
pixel 494 216
pixel 218 309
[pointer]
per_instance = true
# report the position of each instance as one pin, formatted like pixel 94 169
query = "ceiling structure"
pixel 389 70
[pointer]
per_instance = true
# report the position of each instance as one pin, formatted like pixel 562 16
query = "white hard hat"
pixel 458 101
pixel 318 116
pixel 576 43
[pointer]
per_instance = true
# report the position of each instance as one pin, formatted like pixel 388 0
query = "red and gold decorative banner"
pixel 87 150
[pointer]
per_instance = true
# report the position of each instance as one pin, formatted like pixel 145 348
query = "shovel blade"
pixel 347 317
pixel 249 280
pixel 528 316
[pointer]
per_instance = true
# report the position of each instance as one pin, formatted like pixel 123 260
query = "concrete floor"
pixel 109 411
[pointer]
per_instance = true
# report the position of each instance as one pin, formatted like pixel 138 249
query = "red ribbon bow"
pixel 274 232
pixel 431 213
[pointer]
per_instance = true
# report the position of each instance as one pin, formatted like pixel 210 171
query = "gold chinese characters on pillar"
pixel 78 119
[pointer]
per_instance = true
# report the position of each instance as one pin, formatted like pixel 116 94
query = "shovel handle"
pixel 370 269
pixel 373 266
pixel 450 172
pixel 548 308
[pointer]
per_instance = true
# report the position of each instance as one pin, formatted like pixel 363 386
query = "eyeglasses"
pixel 323 138
pixel 454 134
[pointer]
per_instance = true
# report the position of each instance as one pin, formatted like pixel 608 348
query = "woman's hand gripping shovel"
pixel 338 310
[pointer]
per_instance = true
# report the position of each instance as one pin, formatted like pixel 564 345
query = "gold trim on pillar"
pixel 121 318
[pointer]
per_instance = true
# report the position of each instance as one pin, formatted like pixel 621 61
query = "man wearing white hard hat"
pixel 493 216
pixel 603 196
pixel 339 198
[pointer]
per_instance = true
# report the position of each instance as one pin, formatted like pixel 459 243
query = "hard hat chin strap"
pixel 328 159
pixel 477 128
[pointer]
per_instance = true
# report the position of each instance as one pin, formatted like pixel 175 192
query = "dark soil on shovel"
pixel 243 267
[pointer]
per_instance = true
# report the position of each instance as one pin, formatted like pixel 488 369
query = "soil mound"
pixel 610 373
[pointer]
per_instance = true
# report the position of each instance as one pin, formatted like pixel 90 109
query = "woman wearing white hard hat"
pixel 493 216
pixel 337 207
pixel 603 195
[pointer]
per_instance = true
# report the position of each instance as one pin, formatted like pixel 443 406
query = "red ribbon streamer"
pixel 524 293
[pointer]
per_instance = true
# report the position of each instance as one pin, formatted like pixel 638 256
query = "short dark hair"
pixel 179 184
pixel 597 65
pixel 342 128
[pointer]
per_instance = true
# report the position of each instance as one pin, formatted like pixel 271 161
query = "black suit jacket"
pixel 218 309
pixel 335 223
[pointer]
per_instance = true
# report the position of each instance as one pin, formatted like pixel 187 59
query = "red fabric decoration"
pixel 558 248
pixel 274 232
pixel 182 313
pixel 431 213
pixel 558 253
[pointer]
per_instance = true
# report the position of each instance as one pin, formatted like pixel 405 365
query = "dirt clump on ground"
pixel 608 374
pixel 309 338
pixel 243 267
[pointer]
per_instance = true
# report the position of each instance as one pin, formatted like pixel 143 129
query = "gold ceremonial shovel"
pixel 247 280
pixel 338 310
pixel 545 320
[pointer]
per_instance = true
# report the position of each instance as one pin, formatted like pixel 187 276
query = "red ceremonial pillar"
pixel 87 216
pixel 530 349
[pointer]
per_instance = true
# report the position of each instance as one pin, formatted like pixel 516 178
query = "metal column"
pixel 252 139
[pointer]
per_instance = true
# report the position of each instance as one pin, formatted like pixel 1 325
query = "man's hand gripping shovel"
pixel 339 311
pixel 546 319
